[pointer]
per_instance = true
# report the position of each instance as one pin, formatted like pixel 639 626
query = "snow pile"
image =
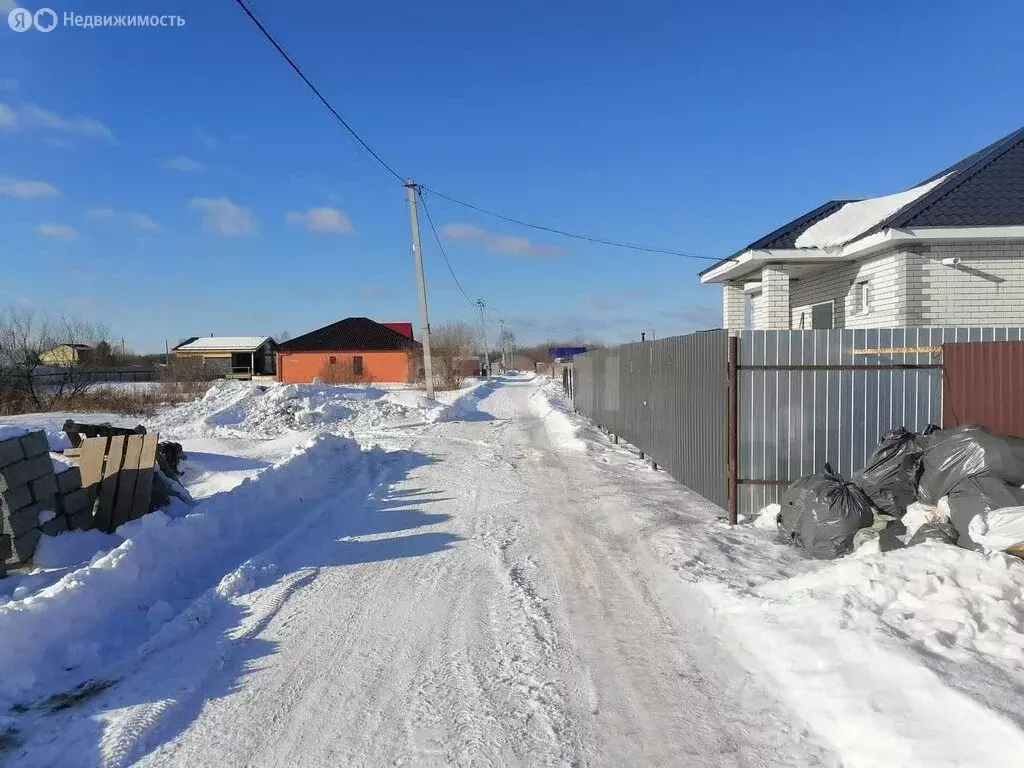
pixel 550 404
pixel 244 409
pixel 913 657
pixel 55 437
pixel 854 219
pixel 94 613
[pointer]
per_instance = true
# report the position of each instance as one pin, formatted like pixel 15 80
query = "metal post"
pixel 417 255
pixel 732 427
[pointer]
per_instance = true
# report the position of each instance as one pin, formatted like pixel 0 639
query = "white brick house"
pixel 947 252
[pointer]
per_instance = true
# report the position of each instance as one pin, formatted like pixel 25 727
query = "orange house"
pixel 363 349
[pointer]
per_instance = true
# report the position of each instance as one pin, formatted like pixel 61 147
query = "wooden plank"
pixel 127 480
pixel 144 484
pixel 71 453
pixel 108 487
pixel 91 461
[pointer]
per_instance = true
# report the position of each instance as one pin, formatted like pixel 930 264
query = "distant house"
pixel 230 356
pixel 66 355
pixel 948 252
pixel 368 350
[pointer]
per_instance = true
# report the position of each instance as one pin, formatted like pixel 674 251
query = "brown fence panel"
pixel 984 384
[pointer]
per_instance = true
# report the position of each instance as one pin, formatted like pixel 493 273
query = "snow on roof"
pixel 239 343
pixel 854 219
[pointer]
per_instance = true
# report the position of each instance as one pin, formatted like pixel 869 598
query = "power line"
pixel 563 233
pixel 440 247
pixel 280 49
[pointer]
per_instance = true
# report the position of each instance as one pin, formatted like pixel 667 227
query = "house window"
pixel 821 316
pixel 861 298
pixel 357 365
pixel 333 360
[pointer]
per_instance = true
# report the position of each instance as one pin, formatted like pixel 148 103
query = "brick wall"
pixel 986 288
pixel 887 296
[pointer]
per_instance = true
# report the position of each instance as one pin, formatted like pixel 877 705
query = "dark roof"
pixel 182 343
pixel 987 190
pixel 786 235
pixel 352 333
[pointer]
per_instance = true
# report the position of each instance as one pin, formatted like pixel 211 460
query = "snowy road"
pixel 497 603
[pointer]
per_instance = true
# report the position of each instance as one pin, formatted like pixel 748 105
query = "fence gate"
pixel 984 384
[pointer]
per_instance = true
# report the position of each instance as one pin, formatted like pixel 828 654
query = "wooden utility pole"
pixel 417 255
pixel 483 331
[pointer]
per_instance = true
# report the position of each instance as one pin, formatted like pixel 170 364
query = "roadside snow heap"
pixel 960 485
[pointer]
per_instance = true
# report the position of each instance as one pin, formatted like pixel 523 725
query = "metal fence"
pixel 96 375
pixel 666 397
pixel 737 419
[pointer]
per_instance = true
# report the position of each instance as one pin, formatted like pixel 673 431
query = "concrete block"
pixel 35 444
pixel 78 500
pixel 69 480
pixel 24 546
pixel 10 451
pixel 55 527
pixel 16 498
pixel 81 521
pixel 44 487
pixel 24 472
pixel 23 520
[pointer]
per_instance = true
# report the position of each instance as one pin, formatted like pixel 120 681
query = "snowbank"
pixel 96 612
pixel 910 658
pixel 550 404
pixel 854 219
pixel 245 409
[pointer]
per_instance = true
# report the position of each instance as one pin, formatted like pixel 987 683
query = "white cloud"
pixel 210 142
pixel 58 232
pixel 31 116
pixel 508 244
pixel 8 84
pixel 223 217
pixel 183 164
pixel 321 220
pixel 25 188
pixel 142 221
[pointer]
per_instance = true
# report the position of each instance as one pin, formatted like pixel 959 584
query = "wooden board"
pixel 144 484
pixel 127 481
pixel 90 464
pixel 108 486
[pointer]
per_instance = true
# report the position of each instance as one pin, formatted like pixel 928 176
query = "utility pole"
pixel 479 303
pixel 504 345
pixel 417 255
pixel 167 353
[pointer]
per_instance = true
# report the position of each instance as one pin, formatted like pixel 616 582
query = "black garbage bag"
pixel 889 539
pixel 952 455
pixel 979 494
pixel 891 475
pixel 821 513
pixel 943 532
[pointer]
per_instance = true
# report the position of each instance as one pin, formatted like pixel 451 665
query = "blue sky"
pixel 183 181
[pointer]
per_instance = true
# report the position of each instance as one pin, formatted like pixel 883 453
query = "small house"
pixel 239 357
pixel 66 355
pixel 946 252
pixel 355 349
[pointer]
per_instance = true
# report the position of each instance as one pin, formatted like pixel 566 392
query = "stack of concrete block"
pixel 34 499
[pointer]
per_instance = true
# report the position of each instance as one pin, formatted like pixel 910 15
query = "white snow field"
pixel 374 579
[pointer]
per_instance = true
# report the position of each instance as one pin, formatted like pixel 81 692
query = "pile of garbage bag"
pixel 958 486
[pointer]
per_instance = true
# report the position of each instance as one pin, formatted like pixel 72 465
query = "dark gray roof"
pixel 987 190
pixel 351 334
pixel 786 235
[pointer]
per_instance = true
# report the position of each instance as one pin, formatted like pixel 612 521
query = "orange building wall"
pixel 303 367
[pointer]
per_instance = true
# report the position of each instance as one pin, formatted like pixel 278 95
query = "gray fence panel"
pixel 792 422
pixel 668 398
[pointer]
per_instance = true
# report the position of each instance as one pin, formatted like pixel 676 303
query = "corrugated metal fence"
pixel 802 398
pixel 668 398
pixel 984 384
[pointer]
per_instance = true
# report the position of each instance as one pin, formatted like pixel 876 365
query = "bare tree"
pixel 450 344
pixel 25 382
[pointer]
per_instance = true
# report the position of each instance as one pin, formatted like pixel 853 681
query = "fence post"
pixel 733 429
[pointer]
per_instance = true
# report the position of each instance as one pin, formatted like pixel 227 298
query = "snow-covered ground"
pixel 371 578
